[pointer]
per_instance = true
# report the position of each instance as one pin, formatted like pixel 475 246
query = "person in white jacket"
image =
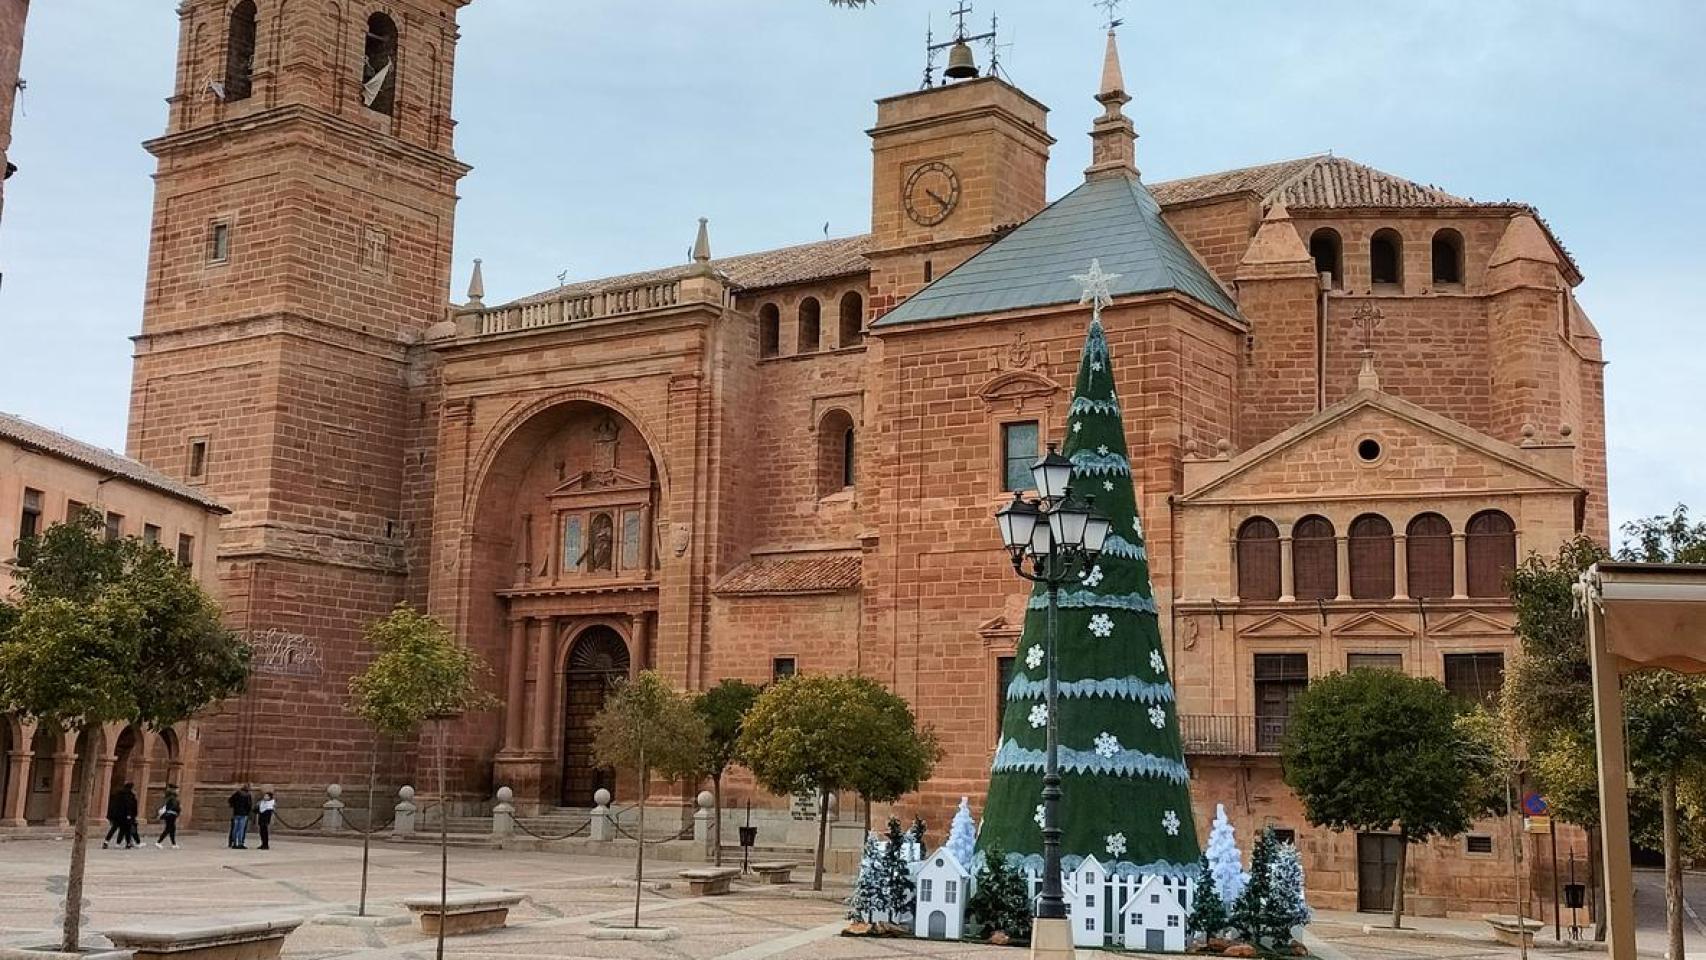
pixel 264 810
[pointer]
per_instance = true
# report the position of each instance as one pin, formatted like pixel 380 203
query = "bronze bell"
pixel 962 65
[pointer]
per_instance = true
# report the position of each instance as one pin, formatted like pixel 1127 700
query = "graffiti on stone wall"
pixel 279 652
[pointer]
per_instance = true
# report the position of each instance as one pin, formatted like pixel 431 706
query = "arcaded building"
pixel 1353 402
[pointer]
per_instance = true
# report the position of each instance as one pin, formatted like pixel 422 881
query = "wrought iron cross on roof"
pixel 1367 319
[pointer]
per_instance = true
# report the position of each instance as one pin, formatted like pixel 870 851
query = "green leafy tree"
pixel 723 708
pixel 1375 750
pixel 106 631
pixel 420 673
pixel 829 733
pixel 649 727
pixel 1208 917
pixel 999 902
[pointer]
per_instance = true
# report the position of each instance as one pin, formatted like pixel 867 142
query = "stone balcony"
pixel 578 305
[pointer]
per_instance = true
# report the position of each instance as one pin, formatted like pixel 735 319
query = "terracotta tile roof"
pixel 804 263
pixel 1320 182
pixel 820 573
pixel 55 444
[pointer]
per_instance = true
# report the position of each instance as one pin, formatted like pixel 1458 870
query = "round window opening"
pixel 1369 450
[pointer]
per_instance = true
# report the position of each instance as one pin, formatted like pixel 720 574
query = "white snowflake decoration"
pixel 1039 816
pixel 1157 716
pixel 1170 823
pixel 1092 577
pixel 1108 485
pixel 1107 745
pixel 1039 715
pixel 1137 525
pixel 1156 663
pixel 1101 625
pixel 1095 366
pixel 1103 449
pixel 1034 656
pixel 1116 844
pixel 1077 427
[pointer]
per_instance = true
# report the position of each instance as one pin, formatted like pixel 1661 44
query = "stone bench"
pixel 776 872
pixel 1513 930
pixel 464 911
pixel 710 881
pixel 253 938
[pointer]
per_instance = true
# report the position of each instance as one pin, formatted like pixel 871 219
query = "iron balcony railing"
pixel 1231 735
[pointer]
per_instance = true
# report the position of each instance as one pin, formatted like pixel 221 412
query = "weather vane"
pixel 1367 319
pixel 1096 286
pixel 1112 9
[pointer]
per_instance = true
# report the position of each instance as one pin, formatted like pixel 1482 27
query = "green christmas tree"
pixel 1208 912
pixel 1126 791
pixel 1253 912
pixel 999 901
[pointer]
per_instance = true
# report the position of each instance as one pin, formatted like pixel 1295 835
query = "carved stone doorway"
pixel 597 663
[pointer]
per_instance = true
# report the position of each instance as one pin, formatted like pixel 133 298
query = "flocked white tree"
pixel 1287 901
pixel 1224 860
pixel 962 835
pixel 869 900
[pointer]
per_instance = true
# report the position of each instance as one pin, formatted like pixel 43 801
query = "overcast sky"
pixel 599 130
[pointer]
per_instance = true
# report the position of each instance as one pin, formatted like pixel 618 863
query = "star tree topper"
pixel 1096 286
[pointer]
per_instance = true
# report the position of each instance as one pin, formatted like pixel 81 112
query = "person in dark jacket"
pixel 116 826
pixel 169 810
pixel 242 804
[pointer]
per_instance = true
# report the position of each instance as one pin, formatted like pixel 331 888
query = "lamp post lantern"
pixel 1057 536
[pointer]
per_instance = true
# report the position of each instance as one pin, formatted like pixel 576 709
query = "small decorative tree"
pixel 421 673
pixel 999 900
pixel 962 835
pixel 866 903
pixel 895 875
pixel 1251 912
pixel 1223 858
pixel 1207 918
pixel 650 727
pixel 723 708
pixel 834 733
pixel 1287 904
pixel 106 631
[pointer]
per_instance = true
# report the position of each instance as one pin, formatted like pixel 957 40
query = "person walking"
pixel 169 810
pixel 242 804
pixel 266 808
pixel 115 820
pixel 132 811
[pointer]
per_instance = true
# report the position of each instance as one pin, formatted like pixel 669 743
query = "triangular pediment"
pixel 1420 453
pixel 1373 626
pixel 1279 627
pixel 600 481
pixel 1471 624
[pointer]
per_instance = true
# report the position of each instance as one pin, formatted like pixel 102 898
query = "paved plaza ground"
pixel 568 897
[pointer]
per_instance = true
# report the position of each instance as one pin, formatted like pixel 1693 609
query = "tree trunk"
pixel 1398 886
pixel 367 835
pixel 822 835
pixel 73 931
pixel 1673 870
pixel 640 841
pixel 717 818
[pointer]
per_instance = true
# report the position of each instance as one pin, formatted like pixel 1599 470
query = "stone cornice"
pixel 173 143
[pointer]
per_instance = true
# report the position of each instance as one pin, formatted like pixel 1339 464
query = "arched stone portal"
pixel 598 661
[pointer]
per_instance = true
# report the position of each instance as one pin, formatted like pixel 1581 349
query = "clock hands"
pixel 938 198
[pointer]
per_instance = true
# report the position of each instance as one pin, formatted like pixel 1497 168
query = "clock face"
pixel 932 193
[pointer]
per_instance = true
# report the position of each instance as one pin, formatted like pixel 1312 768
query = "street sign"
pixel 1539 823
pixel 1535 805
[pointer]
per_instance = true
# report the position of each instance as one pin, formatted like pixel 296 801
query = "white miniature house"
pixel 942 886
pixel 1086 896
pixel 1154 918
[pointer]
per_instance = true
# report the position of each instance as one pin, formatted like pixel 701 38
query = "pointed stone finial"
pixel 1276 251
pixel 1113 137
pixel 477 286
pixel 702 247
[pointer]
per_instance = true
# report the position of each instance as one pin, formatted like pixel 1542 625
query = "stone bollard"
pixel 702 820
pixel 332 819
pixel 603 827
pixel 503 814
pixel 404 824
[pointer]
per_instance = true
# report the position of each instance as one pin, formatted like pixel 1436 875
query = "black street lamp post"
pixel 1061 536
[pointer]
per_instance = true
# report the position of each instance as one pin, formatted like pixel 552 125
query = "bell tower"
pixel 301 241
pixel 954 164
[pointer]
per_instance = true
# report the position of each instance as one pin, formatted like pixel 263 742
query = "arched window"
pixel 1448 256
pixel 852 319
pixel 1258 560
pixel 1372 569
pixel 811 326
pixel 1328 252
pixel 769 330
pixel 1386 257
pixel 1491 553
pixel 834 453
pixel 240 51
pixel 1428 557
pixel 379 66
pixel 1314 559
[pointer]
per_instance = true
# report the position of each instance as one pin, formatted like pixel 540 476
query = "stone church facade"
pixel 1353 402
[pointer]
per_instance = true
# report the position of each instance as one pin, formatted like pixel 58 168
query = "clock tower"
pixel 954 166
